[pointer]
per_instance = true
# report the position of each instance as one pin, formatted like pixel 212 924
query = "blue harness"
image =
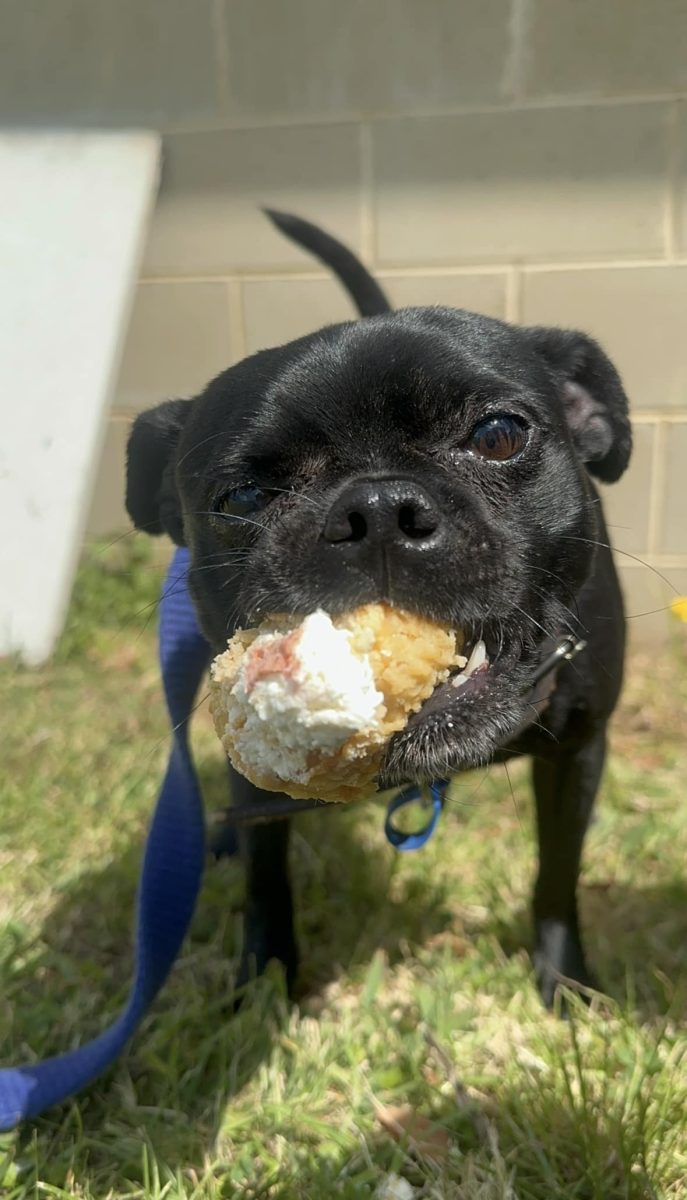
pixel 172 867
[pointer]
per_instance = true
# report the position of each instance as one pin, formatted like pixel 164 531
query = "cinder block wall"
pixel 523 158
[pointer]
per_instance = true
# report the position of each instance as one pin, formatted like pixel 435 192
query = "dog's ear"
pixel 593 398
pixel 152 499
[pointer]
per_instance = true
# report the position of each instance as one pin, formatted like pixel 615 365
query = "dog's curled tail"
pixel 366 294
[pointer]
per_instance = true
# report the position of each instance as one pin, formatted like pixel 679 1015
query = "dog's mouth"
pixel 475 663
pixel 466 718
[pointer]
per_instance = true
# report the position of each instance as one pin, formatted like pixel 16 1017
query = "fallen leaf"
pixel 121 659
pixel 446 939
pixel 423 1137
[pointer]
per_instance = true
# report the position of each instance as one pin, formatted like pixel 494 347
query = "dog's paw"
pixel 559 962
pixel 263 944
pixel 222 838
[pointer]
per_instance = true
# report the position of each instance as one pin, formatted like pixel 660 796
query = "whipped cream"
pixel 301 693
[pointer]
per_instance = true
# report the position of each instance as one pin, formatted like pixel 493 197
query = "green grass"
pixel 416 985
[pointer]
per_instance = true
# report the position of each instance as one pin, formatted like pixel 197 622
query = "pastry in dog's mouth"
pixel 309 706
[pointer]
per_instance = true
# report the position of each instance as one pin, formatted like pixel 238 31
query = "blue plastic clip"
pixel 413 841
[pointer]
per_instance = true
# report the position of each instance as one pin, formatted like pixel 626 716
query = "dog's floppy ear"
pixel 152 499
pixel 593 397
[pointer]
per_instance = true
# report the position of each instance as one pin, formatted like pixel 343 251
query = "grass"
pixel 416 992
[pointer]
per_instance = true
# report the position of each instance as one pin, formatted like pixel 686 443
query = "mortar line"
pixel 665 416
pixel 306 120
pixel 514 294
pixel 236 319
pixel 613 262
pixel 670 562
pixel 672 184
pixel 221 58
pixel 299 275
pixel 665 562
pixel 513 77
pixel 368 238
pixel 655 488
pixel 478 267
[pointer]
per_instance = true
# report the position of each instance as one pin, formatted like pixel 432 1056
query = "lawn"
pixel 417 1049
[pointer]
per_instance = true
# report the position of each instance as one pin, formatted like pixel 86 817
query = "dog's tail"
pixel 366 294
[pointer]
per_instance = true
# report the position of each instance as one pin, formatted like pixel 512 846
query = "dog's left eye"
pixel 241 500
pixel 498 438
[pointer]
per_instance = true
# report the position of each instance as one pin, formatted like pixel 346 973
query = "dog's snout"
pixel 383 512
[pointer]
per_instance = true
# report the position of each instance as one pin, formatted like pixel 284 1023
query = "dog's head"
pixel 433 458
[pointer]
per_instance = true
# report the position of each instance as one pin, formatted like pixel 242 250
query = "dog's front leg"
pixel 268 931
pixel 565 787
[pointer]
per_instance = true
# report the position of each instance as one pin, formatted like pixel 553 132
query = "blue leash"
pixel 172 868
pixel 170 878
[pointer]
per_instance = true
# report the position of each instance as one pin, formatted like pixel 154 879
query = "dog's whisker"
pixel 229 517
pixel 264 599
pixel 318 506
pixel 537 724
pixel 229 581
pixel 651 612
pixel 196 706
pixel 575 617
pixel 553 575
pixel 626 553
pixel 506 751
pixel 245 550
pixel 218 566
pixel 533 620
pixel 232 619
pixel 238 557
pixel 458 802
pixel 512 792
pixel 175 587
pixel 120 537
pixel 502 635
pixel 197 446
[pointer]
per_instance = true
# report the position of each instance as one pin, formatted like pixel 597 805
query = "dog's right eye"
pixel 241 500
pixel 498 438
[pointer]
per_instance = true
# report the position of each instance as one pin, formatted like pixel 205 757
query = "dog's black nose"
pixel 383 512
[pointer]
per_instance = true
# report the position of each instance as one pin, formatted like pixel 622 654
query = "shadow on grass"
pixel 635 938
pixel 171 1090
pixel 192 1054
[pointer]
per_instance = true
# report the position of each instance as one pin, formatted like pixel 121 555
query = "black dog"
pixel 439 460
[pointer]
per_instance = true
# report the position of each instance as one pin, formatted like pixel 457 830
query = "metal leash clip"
pixel 565 651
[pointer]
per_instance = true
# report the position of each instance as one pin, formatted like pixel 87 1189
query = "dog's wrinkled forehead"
pixel 396 382
pixel 350 392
